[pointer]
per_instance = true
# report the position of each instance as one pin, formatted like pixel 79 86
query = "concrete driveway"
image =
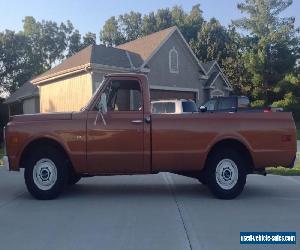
pixel 163 211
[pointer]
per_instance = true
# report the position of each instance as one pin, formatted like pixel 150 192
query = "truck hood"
pixel 42 117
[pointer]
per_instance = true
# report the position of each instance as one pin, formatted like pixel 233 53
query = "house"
pixel 217 83
pixel 172 68
pixel 25 100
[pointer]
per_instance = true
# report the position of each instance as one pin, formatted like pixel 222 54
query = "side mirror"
pixel 203 109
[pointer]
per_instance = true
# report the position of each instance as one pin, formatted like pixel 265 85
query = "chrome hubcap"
pixel 227 174
pixel 44 174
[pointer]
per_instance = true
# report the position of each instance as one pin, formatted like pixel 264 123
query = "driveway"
pixel 162 211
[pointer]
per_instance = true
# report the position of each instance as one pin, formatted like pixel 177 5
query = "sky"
pixel 90 15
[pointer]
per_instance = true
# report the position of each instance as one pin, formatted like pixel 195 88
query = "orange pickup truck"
pixel 116 134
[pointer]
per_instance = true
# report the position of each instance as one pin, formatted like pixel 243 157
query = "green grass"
pixel 1 155
pixel 286 171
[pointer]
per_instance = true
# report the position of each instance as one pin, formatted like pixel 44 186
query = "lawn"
pixel 285 171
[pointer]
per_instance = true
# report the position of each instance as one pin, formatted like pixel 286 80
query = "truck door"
pixel 115 139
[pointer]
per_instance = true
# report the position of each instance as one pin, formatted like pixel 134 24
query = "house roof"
pixel 25 91
pixel 146 45
pixel 214 74
pixel 127 56
pixel 211 79
pixel 95 54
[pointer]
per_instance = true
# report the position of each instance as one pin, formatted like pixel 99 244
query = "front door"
pixel 115 139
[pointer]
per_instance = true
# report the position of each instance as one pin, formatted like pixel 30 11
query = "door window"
pixel 124 95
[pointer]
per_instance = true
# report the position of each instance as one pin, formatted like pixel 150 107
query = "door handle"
pixel 137 121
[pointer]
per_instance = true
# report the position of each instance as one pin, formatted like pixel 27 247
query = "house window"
pixel 216 93
pixel 173 61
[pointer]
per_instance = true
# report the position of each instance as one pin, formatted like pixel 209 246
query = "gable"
pixel 147 45
pixel 219 82
pixel 185 57
pixel 189 74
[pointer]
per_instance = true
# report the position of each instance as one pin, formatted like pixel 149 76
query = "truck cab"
pixel 116 134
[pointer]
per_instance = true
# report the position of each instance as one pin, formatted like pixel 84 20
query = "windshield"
pixel 94 94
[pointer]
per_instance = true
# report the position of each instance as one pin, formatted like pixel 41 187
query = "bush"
pixel 290 104
pixel 258 104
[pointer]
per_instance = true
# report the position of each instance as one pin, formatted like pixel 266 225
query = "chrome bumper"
pixel 6 162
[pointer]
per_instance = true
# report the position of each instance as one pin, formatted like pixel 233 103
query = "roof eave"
pixel 21 98
pixel 67 72
pixel 82 68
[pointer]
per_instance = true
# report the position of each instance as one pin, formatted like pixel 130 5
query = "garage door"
pixel 157 94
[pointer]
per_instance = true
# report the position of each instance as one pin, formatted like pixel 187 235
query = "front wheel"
pixel 226 174
pixel 46 173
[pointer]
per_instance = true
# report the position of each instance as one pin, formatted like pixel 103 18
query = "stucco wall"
pixel 69 94
pixel 188 76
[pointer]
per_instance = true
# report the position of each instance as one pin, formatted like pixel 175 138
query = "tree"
pixel 89 39
pixel 131 25
pixel 211 41
pixel 74 42
pixel 163 19
pixel 48 40
pixel 149 24
pixel 35 49
pixel 232 63
pixel 16 66
pixel 193 23
pixel 273 52
pixel 111 34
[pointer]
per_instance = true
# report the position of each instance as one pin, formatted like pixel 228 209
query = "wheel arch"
pixel 236 145
pixel 40 142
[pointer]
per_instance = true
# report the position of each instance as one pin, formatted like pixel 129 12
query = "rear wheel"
pixel 46 173
pixel 226 173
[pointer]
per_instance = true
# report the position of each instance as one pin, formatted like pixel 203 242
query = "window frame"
pixel 106 84
pixel 173 50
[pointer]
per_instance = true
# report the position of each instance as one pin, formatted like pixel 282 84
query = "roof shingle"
pixel 25 91
pixel 96 54
pixel 146 45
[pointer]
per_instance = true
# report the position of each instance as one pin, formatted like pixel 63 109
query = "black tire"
pixel 44 154
pixel 73 179
pixel 202 177
pixel 232 190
